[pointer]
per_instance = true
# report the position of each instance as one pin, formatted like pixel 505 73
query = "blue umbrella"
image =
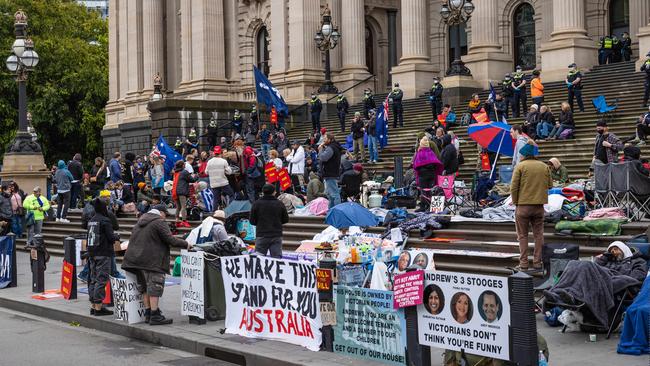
pixel 349 214
pixel 236 207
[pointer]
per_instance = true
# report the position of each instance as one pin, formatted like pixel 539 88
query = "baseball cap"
pixel 217 150
pixel 161 208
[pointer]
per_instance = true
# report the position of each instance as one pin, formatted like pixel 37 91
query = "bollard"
pixel 398 173
pixel 328 262
pixel 38 264
pixel 70 256
pixel 523 327
pixel 14 269
pixel 416 354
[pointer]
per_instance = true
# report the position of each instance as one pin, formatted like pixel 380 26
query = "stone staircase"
pixel 493 245
pixel 616 81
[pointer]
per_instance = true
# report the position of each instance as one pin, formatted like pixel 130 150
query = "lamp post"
pixel 22 60
pixel 455 13
pixel 326 38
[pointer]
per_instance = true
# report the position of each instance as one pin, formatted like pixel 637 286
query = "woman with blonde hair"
pixel 564 122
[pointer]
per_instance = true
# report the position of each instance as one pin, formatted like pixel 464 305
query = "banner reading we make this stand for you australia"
pixel 272 298
pixel 465 311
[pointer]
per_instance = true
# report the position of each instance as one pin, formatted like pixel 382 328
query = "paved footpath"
pixel 206 340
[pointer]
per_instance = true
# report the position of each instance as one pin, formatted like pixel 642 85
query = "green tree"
pixel 68 89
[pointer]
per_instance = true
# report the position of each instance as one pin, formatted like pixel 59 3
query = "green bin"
pixel 215 298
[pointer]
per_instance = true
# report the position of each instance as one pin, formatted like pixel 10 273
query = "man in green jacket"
pixel 531 181
pixel 36 206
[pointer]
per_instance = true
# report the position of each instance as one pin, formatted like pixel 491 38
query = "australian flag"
pixel 169 156
pixel 267 94
pixel 382 124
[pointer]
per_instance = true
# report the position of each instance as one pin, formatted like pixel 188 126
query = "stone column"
pixel 186 42
pixel 415 70
pixel 152 29
pixel 208 41
pixel 569 42
pixel 392 38
pixel 113 53
pixel 337 20
pixel 134 19
pixel 278 33
pixel 306 68
pixel 486 58
pixel 639 18
pixel 644 44
pixel 353 40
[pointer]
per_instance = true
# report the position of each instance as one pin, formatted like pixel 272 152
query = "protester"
pixel 280 141
pixel 252 173
pixel 474 105
pixel 632 154
pixel 642 128
pixel 565 122
pixel 120 197
pixel 574 86
pixel 427 168
pixel 594 284
pixel 358 130
pixel 351 182
pixel 373 140
pixel 145 198
pixel 148 257
pixel 645 68
pixel 77 170
pixel 517 134
pixel 342 106
pixel 181 192
pixel 17 208
pixel 531 122
pixel 449 156
pixel 6 214
pixel 157 173
pixel 559 173
pixel 115 167
pixel 529 187
pixel 36 206
pixel 274 157
pixel 265 141
pixel 296 167
pixel 127 178
pixel 218 230
pixel 537 88
pixel 98 176
pixel 218 170
pixel 329 157
pixel 546 122
pixel 268 215
pixel 63 179
pixel 100 255
pixel 315 188
pixel 607 144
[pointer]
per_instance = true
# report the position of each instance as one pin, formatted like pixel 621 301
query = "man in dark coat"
pixel 315 107
pixel 148 257
pixel 342 106
pixel 435 97
pixel 100 251
pixel 396 96
pixel 449 156
pixel 268 215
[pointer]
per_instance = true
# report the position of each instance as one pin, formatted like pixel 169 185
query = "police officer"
pixel 368 102
pixel 254 117
pixel 616 49
pixel 211 131
pixel 395 97
pixel 508 92
pixel 519 92
pixel 574 85
pixel 237 122
pixel 626 46
pixel 315 107
pixel 646 68
pixel 342 106
pixel 602 55
pixel 607 45
pixel 435 97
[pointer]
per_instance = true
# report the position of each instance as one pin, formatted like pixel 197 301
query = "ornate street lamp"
pixel 455 13
pixel 22 60
pixel 326 39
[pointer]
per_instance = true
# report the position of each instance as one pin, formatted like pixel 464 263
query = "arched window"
pixel 524 36
pixel 370 48
pixel 619 17
pixel 453 33
pixel 262 51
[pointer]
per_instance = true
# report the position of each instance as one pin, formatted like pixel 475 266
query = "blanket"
pixel 422 221
pixel 593 227
pixel 502 213
pixel 586 282
pixel 635 339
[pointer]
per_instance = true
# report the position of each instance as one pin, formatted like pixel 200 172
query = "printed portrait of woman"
pixel 461 307
pixel 403 261
pixel 434 299
pixel 421 260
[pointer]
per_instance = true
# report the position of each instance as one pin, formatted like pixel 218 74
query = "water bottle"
pixel 542 359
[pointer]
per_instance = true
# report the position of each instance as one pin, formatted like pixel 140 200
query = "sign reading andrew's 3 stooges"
pixel 272 298
pixel 465 311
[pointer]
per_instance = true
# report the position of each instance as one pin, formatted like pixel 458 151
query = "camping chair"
pixel 630 190
pixel 555 257
pixel 604 111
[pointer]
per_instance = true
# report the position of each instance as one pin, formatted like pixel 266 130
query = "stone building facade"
pixel 205 49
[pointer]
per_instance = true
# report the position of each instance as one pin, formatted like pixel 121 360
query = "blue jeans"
pixel 332 191
pixel 557 130
pixel 265 151
pixel 372 148
pixel 543 129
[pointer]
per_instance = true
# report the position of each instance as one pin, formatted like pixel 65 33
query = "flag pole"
pixel 503 135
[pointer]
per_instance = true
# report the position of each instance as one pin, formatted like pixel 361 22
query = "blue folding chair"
pixel 604 111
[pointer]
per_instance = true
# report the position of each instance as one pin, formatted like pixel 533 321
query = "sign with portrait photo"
pixel 462 311
pixel 421 258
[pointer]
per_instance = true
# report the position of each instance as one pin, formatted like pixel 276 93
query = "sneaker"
pixel 147 315
pixel 158 319
pixel 82 279
pixel 178 224
pixel 57 219
pixel 521 269
pixel 641 143
pixel 102 312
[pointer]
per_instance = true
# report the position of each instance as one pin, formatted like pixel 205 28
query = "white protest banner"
pixel 272 298
pixel 465 311
pixel 192 292
pixel 127 301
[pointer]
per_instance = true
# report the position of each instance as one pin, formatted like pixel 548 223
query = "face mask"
pixel 600 132
pixel 435 81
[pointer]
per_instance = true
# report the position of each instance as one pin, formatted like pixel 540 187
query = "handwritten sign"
pixel 128 302
pixel 328 313
pixel 437 204
pixel 407 289
pixel 192 292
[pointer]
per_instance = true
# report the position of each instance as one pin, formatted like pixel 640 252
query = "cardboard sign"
pixel 66 279
pixel 437 204
pixel 407 289
pixel 192 291
pixel 351 275
pixel 465 311
pixel 324 284
pixel 285 179
pixel 420 257
pixel 270 172
pixel 272 298
pixel 368 327
pixel 6 259
pixel 128 304
pixel 328 313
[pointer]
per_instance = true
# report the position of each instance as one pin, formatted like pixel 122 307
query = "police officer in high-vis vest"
pixel 342 106
pixel 646 69
pixel 435 97
pixel 507 92
pixel 607 47
pixel 395 97
pixel 315 107
pixel 574 86
pixel 519 92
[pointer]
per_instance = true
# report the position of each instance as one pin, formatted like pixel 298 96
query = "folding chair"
pixel 604 111
pixel 630 190
pixel 555 257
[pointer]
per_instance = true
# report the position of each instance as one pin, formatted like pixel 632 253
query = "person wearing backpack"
pixel 253 171
pixel 100 251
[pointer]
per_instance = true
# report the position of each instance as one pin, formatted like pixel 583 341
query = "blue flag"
pixel 267 94
pixel 493 93
pixel 169 155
